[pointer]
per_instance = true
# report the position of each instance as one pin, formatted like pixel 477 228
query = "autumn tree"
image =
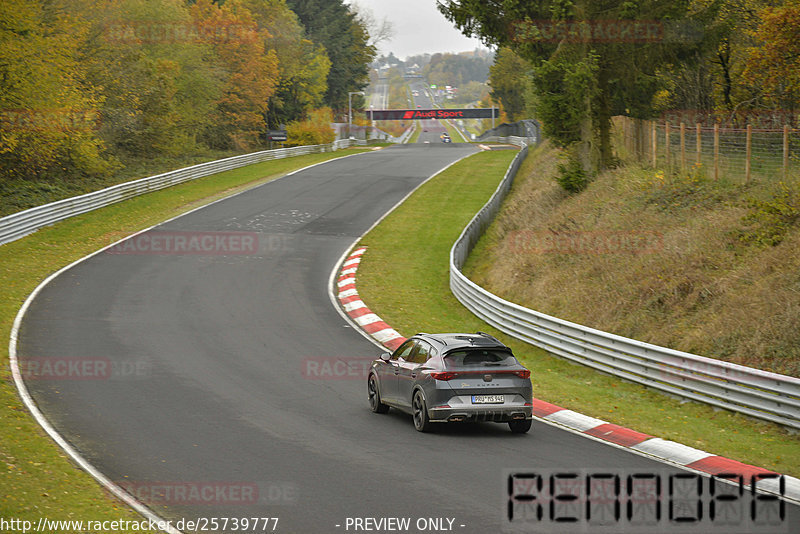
pixel 314 130
pixel 774 64
pixel 590 60
pixel 156 73
pixel 48 114
pixel 712 83
pixel 508 78
pixel 87 85
pixel 250 72
pixel 303 65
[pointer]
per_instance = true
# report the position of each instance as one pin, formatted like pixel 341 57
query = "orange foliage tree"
pixel 774 65
pixel 315 130
pixel 251 72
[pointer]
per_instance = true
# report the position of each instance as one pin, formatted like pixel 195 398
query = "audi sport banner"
pixel 406 114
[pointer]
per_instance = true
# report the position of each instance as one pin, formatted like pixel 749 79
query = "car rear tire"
pixel 375 396
pixel 520 426
pixel 420 412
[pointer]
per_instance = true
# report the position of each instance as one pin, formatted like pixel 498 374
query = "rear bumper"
pixel 476 414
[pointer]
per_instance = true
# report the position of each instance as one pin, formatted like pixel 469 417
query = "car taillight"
pixel 523 374
pixel 443 375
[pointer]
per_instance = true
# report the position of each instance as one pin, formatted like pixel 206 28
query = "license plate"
pixel 488 399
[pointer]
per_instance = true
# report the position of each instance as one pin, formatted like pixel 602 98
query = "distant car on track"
pixel 445 138
pixel 440 378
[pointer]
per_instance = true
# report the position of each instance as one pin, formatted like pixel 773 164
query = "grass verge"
pixel 679 260
pixel 411 292
pixel 36 478
pixel 454 133
pixel 415 134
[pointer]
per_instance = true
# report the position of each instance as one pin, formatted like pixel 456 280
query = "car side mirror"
pixel 385 356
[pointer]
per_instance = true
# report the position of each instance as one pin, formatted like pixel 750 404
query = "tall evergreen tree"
pixel 332 24
pixel 508 80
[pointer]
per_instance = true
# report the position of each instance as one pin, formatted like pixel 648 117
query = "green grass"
pixel 411 292
pixel 36 479
pixel 415 134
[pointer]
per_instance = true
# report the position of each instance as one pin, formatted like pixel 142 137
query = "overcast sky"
pixel 418 28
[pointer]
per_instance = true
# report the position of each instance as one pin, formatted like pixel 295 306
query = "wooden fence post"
pixel 716 151
pixel 641 152
pixel 748 153
pixel 683 146
pixel 666 142
pixel 785 151
pixel 698 141
pixel 654 142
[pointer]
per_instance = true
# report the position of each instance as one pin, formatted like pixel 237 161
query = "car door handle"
pixel 413 374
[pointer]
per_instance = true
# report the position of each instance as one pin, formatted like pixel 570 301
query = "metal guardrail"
pixel 769 396
pixel 407 134
pixel 525 128
pixel 512 140
pixel 17 225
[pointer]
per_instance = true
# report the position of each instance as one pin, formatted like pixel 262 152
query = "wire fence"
pixel 741 152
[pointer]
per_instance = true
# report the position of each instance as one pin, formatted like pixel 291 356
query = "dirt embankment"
pixel 680 260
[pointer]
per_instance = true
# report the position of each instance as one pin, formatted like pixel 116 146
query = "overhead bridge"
pixel 436 113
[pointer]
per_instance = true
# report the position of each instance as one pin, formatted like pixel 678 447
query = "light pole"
pixel 350 109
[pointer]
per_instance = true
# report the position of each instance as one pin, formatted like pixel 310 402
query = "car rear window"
pixel 477 357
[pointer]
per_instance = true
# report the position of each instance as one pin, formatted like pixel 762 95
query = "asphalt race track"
pixel 429 130
pixel 218 403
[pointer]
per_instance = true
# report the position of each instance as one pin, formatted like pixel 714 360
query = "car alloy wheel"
pixel 375 397
pixel 421 420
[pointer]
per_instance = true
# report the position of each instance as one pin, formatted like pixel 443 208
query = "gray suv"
pixel 440 378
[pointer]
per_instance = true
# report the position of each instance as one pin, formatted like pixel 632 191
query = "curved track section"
pixel 215 379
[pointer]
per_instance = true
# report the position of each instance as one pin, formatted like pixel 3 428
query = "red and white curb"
pixel 645 444
pixel 355 308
